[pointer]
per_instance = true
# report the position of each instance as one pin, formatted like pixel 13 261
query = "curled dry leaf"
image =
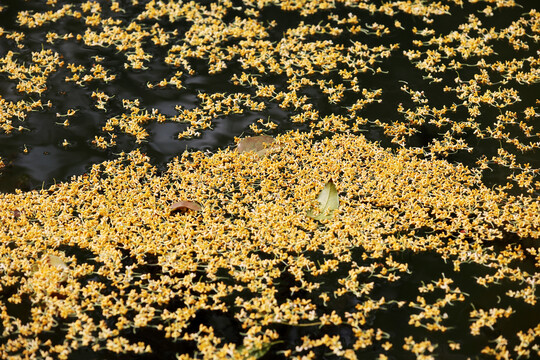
pixel 328 202
pixel 259 144
pixel 185 205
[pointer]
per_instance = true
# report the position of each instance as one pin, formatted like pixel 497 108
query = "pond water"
pixel 45 160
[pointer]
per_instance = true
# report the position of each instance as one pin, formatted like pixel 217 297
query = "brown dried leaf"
pixel 185 205
pixel 259 144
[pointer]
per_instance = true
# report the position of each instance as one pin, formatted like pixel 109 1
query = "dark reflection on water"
pixel 392 319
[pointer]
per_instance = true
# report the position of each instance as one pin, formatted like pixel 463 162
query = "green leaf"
pixel 254 353
pixel 328 202
pixel 259 144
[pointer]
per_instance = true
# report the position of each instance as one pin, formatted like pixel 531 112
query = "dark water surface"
pixel 46 160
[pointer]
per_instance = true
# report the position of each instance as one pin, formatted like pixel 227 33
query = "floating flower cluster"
pixel 334 56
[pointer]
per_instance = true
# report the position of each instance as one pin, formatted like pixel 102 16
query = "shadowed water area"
pixel 46 160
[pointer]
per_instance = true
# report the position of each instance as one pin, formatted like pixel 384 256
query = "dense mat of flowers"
pixel 252 230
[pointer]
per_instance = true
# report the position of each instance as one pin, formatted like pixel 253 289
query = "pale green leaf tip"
pixel 328 202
